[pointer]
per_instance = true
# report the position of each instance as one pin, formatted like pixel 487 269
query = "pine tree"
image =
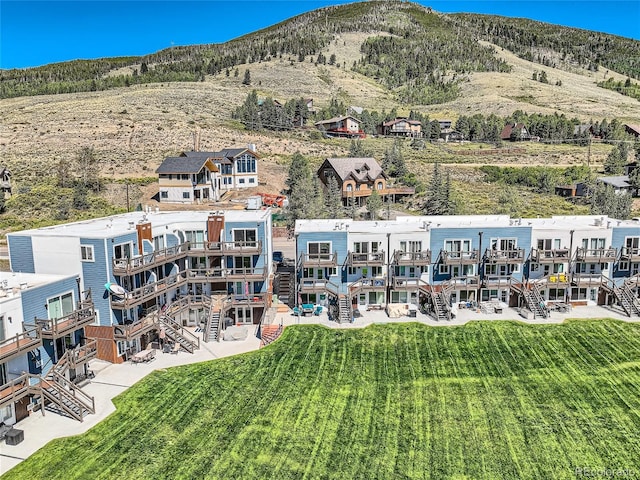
pixel 87 169
pixel 374 204
pixel 616 160
pixel 333 199
pixel 247 78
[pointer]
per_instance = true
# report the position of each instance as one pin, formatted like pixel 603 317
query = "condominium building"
pixel 437 262
pixel 153 271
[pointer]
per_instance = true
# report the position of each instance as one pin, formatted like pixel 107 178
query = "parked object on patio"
pixel 318 310
pixel 144 355
pixel 166 348
pixel 14 436
pixel 115 289
pixel 235 333
pixel 296 311
pixel 176 348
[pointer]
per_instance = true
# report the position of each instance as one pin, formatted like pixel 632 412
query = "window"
pixel 186 194
pixel 227 181
pixel 623 266
pixel 631 246
pixel 535 267
pixel 86 253
pixel 184 176
pixel 5 413
pixel 457 245
pixel 349 188
pixel 319 250
pixel 593 243
pixel 443 269
pixel 246 236
pixel 352 271
pixel 411 246
pixel 164 194
pixel 398 297
pixel 241 180
pixel 252 180
pixel 379 185
pixel 194 236
pixel 60 306
pixel 124 345
pixel 376 271
pixel 123 250
pixel 503 244
pixel 246 164
pixel 331 272
pixel 158 243
pixel 3 333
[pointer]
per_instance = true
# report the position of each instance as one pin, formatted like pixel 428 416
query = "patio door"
pixel 244 316
pixel 60 306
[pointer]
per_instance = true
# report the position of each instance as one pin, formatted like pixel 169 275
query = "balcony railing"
pixel 558 255
pixel 412 258
pixel 402 282
pixel 310 285
pixel 209 248
pixel 59 327
pixel 630 254
pixel 368 285
pixel 365 259
pixel 252 299
pixel 555 280
pixel 20 344
pixel 82 354
pixel 227 248
pixel 588 279
pixel 515 255
pixel 129 266
pixel 459 258
pixel 318 259
pixel 498 281
pixel 148 292
pixel 15 389
pixel 224 274
pixel 461 283
pixel 596 255
pixel 134 330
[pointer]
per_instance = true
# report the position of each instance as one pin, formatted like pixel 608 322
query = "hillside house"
pixel 358 177
pixel 5 182
pixel 188 180
pixel 619 183
pixel 401 127
pixel 344 126
pixel 574 190
pixel 515 132
pixel 633 130
pixel 444 124
pixel 238 167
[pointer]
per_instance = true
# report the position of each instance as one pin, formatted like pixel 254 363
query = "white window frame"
pixel 319 243
pixel 186 195
pixel 83 253
pixel 444 269
pixel 59 296
pixel 121 245
pixel 623 266
pixel 164 194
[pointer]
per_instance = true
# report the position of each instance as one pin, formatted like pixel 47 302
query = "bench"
pixel 375 306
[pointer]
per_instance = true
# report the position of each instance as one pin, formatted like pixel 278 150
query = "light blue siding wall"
pixel 439 235
pixel 95 274
pixel 172 240
pixel 258 261
pixel 33 306
pixel 618 241
pixel 339 244
pixel 21 253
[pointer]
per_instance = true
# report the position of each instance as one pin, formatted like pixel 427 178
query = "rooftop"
pixel 115 225
pixel 11 284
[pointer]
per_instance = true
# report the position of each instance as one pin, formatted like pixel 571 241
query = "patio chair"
pixel 296 311
pixel 318 310
pixel 176 348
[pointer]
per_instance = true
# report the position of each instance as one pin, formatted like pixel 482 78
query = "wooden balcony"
pixel 555 280
pixel 255 273
pixel 588 279
pixel 16 389
pixel 596 255
pixel 401 282
pixel 497 281
pixel 412 258
pixel 206 248
pixel 378 284
pixel 82 354
pixel 459 258
pixel 59 327
pixel 628 254
pixel 20 344
pixel 130 266
pixel 148 292
pixel 318 260
pixel 312 285
pixel 560 255
pixel 365 259
pixel 504 256
pixel 134 330
pixel 462 283
pixel 366 192
pixel 242 248
pixel 252 299
pixel 206 274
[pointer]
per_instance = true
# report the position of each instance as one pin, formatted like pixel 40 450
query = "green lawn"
pixel 494 400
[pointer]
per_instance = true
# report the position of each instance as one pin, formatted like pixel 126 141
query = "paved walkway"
pixel 113 379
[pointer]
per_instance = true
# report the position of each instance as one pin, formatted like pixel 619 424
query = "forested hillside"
pixel 422 56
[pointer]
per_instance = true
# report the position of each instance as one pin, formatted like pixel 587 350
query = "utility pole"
pixel 126 182
pixel 589 152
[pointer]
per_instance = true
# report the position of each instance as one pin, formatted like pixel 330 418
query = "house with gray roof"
pixel 619 183
pixel 238 167
pixel 188 180
pixel 358 178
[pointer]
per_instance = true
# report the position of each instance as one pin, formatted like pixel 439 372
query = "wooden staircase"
pixel 269 334
pixel 344 309
pixel 61 396
pixel 284 285
pixel 626 298
pixel 176 333
pixel 535 301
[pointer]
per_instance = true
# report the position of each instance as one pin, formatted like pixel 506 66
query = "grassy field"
pixel 486 400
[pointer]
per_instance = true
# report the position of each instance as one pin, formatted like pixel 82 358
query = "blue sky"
pixel 34 33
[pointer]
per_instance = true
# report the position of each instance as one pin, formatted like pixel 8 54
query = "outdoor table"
pixel 142 356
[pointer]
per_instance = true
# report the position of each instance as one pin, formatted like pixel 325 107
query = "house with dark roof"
pixel 188 180
pixel 358 178
pixel 5 182
pixel 515 132
pixel 238 167
pixel 344 126
pixel 632 129
pixel 619 183
pixel 401 127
